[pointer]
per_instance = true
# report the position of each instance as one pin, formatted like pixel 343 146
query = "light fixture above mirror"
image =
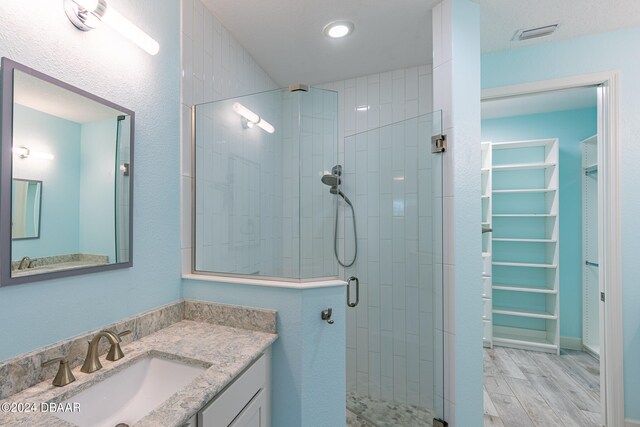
pixel 25 153
pixel 88 14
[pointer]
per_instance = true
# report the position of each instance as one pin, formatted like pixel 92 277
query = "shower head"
pixel 333 179
pixel 330 180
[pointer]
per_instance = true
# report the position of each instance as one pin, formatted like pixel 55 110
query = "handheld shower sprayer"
pixel 334 181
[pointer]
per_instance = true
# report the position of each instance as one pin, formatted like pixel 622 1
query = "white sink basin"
pixel 130 394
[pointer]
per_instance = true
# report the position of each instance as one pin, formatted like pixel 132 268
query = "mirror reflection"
pixel 80 148
pixel 25 205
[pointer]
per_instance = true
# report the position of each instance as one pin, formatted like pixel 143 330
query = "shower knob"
pixel 326 315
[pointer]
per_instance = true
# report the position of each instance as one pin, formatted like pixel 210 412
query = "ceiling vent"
pixel 533 33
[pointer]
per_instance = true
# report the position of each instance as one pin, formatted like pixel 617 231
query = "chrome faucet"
pixel 25 263
pixel 92 362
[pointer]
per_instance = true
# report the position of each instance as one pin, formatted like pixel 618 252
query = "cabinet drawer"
pixel 486 313
pixel 486 287
pixel 230 402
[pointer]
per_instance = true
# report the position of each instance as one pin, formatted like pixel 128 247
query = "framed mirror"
pixel 26 198
pixel 80 147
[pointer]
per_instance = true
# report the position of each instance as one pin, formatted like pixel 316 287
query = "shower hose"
pixel 355 232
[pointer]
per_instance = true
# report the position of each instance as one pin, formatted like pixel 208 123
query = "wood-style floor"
pixel 526 388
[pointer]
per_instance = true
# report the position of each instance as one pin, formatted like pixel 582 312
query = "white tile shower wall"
pixel 309 149
pixel 390 335
pixel 214 67
pixel 318 153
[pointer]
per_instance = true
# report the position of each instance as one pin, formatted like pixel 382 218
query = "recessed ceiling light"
pixel 533 33
pixel 338 29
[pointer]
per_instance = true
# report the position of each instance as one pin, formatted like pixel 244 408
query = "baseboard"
pixel 571 343
pixel 631 423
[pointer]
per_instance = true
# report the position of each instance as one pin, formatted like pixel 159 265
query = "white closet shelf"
pixel 521 312
pixel 523 166
pixel 485 169
pixel 523 341
pixel 503 239
pixel 520 288
pixel 525 191
pixel 521 144
pixel 524 215
pixel 537 299
pixel 523 264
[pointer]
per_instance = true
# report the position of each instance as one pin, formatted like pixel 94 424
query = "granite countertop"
pixel 225 351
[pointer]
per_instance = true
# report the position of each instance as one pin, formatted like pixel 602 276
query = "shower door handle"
pixel 353 279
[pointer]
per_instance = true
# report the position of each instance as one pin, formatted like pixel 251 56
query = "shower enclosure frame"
pixel 265 280
pixel 424 136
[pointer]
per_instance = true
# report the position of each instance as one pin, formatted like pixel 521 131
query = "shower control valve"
pixel 326 315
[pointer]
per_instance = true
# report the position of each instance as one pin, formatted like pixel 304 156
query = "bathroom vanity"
pixel 244 403
pixel 221 376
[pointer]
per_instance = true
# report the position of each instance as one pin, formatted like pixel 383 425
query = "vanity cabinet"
pixel 246 402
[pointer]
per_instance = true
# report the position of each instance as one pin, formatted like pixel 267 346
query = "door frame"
pixel 609 248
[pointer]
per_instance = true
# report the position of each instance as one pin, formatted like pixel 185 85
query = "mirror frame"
pixel 39 208
pixel 6 176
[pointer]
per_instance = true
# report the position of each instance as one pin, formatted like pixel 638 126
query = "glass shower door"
pixel 394 334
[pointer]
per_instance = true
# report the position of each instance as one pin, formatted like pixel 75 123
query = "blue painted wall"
pixel 589 54
pixel 60 180
pixel 570 127
pixel 97 188
pixel 309 355
pixel 101 61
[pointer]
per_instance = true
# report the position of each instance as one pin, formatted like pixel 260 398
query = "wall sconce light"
pixel 88 14
pixel 25 153
pixel 252 118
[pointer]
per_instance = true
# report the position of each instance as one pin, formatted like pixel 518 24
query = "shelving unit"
pixel 524 245
pixel 590 280
pixel 486 222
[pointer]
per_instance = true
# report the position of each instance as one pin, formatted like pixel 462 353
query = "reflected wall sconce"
pixel 250 119
pixel 25 153
pixel 88 14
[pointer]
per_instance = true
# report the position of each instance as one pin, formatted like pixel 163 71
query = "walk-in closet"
pixel 540 285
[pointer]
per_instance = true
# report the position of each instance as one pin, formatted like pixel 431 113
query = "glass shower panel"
pixel 238 197
pixel 394 335
pixel 318 155
pixel 257 211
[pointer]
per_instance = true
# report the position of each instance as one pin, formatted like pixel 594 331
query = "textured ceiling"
pixel 285 36
pixel 500 19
